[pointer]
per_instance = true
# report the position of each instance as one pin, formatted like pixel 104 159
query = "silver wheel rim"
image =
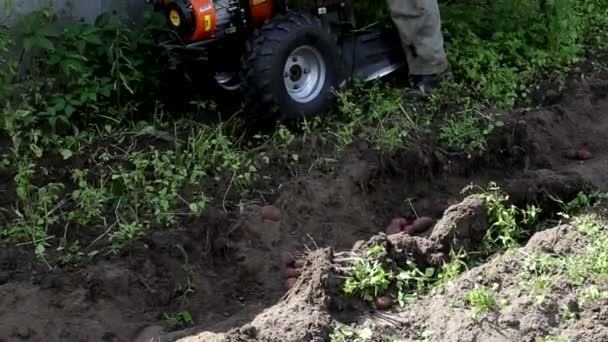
pixel 304 74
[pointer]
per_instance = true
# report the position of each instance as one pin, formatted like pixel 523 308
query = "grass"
pixel 584 270
pixel 481 299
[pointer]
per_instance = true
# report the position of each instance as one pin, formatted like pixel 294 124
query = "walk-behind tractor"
pixel 284 58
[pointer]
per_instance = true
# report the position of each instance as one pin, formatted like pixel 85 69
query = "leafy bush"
pixel 75 72
pixel 499 47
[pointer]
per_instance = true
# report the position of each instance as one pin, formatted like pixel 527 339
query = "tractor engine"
pixel 199 20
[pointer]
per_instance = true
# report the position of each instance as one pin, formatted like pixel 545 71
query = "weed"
pixel 368 279
pixel 73 254
pixel 345 333
pixel 499 61
pixel 35 215
pixel 582 201
pixel 468 131
pixel 553 339
pixel 541 287
pixel 452 269
pixel 540 275
pixel 412 282
pixel 592 295
pixel 76 73
pixel 126 233
pixel 481 299
pixel 90 200
pixel 567 315
pixel 177 320
pixel 588 224
pixel 507 221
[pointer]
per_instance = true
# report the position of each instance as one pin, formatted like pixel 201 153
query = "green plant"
pixel 126 233
pixel 507 221
pixel 411 282
pixel 72 254
pixel 177 320
pixel 468 131
pixel 481 299
pixel 82 71
pixel 89 200
pixel 588 224
pixel 553 339
pixel 498 49
pixel 567 315
pixel 368 278
pixel 592 295
pixel 345 333
pixel 582 201
pixel 451 270
pixel 539 275
pixel 37 211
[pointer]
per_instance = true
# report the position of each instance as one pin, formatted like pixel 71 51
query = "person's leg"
pixel 419 26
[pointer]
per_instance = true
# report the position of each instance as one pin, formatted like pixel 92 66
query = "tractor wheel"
pixel 290 69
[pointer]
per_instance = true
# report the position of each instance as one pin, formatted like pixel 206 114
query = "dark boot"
pixel 424 85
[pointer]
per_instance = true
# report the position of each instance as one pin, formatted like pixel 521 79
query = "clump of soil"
pixel 519 315
pixel 226 269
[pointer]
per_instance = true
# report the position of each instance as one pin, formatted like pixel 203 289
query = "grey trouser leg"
pixel 419 26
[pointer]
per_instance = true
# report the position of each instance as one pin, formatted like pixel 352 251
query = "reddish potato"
pixel 392 229
pixel 291 272
pixel 384 303
pixel 409 230
pixel 271 213
pixel 251 231
pixel 399 221
pixel 396 226
pixel 584 154
pixel 290 282
pixel 422 224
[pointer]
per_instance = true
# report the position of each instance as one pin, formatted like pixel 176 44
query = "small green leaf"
pixel 40 249
pixel 66 154
pixel 366 333
pixel 45 43
pixel 49 31
pixel 194 208
pixel 28 43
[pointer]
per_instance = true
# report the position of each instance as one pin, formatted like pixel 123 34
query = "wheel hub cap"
pixel 304 74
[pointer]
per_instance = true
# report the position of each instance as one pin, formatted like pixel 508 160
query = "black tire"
pixel 264 89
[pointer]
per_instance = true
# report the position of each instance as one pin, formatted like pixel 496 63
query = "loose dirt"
pixel 227 269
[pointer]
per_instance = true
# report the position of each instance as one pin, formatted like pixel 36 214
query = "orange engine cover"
pixel 261 10
pixel 205 19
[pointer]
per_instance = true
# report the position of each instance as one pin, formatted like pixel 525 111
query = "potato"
pixel 290 282
pixel 251 231
pixel 392 229
pixel 271 213
pixel 399 221
pixel 396 226
pixel 409 230
pixel 384 303
pixel 422 224
pixel 291 272
pixel 584 154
